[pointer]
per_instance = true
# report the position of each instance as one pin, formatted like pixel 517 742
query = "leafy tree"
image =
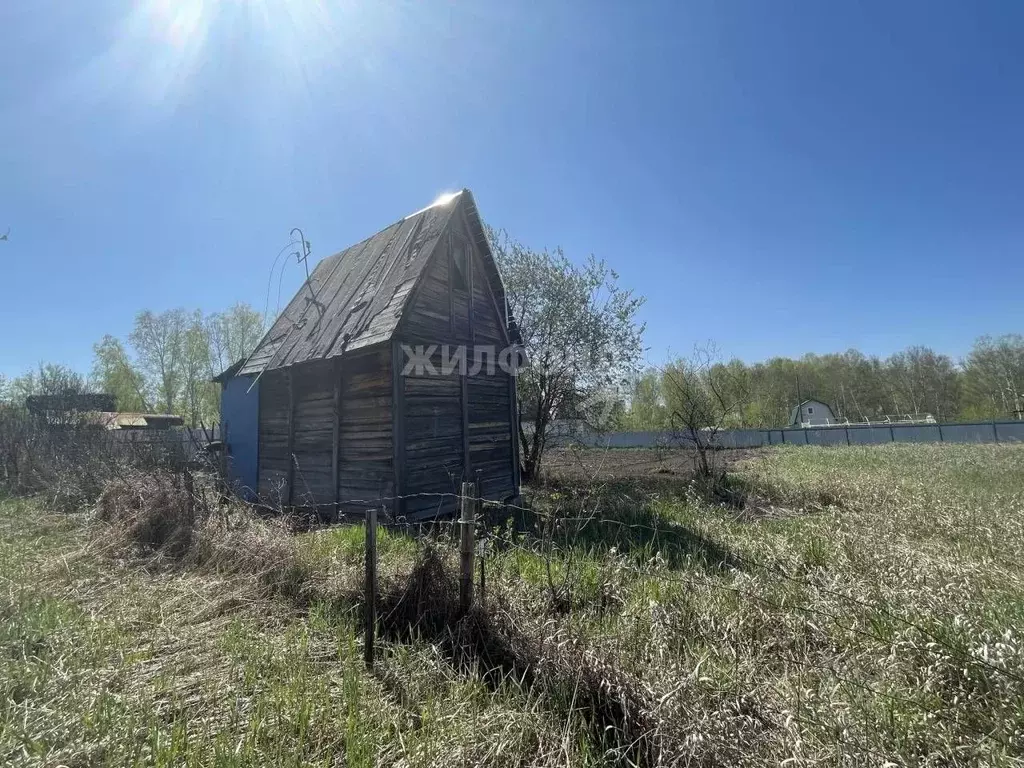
pixel 199 394
pixel 114 374
pixel 580 334
pixel 172 356
pixel 994 377
pixel 233 335
pixel 159 340
pixel 922 381
pixel 647 409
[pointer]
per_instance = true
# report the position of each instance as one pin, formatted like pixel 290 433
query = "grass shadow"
pixel 623 515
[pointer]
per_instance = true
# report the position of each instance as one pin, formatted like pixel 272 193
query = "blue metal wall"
pixel 240 423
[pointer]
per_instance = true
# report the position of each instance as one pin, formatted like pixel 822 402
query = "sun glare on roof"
pixel 445 198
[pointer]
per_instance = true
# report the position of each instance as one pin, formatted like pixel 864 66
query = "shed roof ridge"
pixel 343 278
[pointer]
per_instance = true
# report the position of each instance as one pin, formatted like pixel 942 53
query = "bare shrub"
pixel 704 396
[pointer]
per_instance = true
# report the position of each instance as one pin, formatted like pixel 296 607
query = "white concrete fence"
pixel 854 434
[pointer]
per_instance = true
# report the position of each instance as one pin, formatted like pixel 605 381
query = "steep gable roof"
pixel 356 298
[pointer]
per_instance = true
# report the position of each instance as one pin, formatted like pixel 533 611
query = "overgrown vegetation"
pixel 862 608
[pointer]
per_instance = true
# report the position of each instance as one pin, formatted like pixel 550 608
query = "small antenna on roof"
pixel 303 258
pixel 306 250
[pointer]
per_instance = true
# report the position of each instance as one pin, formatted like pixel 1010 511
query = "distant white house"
pixel 812 413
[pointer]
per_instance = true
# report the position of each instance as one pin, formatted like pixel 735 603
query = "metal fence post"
pixel 190 493
pixel 468 524
pixel 371 586
pixel 482 541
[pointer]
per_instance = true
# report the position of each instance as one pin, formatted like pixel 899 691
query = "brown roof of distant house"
pixel 356 298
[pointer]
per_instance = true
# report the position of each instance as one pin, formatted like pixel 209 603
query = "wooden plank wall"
pixel 339 411
pixel 429 315
pixel 313 424
pixel 273 437
pixel 450 425
pixel 432 426
pixel 491 449
pixel 487 323
pixel 490 435
pixel 365 449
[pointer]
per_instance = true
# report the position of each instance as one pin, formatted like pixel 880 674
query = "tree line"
pixel 986 384
pixel 165 365
pixel 584 344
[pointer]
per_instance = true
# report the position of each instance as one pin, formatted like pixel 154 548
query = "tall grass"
pixel 865 608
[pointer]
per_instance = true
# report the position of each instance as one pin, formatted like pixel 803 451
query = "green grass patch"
pixel 865 608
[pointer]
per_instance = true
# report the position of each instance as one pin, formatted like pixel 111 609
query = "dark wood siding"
pixel 429 314
pixel 441 313
pixel 460 422
pixel 349 398
pixel 488 325
pixel 313 419
pixel 432 427
pixel 273 435
pixel 365 450
pixel 490 433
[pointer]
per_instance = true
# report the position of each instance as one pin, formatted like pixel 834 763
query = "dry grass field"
pixel 864 608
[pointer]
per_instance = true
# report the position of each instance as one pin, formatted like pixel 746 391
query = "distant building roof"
pixel 70 402
pixel 356 298
pixel 795 413
pixel 113 420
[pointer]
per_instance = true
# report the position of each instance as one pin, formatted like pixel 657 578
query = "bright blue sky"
pixel 781 177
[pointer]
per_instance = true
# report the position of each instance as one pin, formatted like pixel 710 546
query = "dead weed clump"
pixel 425 602
pixel 151 510
pixel 262 550
pixel 157 513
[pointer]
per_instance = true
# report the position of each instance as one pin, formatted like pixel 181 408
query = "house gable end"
pixel 455 303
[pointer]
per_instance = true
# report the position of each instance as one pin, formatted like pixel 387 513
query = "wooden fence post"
pixel 467 522
pixel 371 586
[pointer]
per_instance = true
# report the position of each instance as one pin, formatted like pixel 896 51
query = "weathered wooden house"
pixel 334 409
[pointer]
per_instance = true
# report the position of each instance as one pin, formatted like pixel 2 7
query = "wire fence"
pixel 496 543
pixel 490 538
pixel 554 540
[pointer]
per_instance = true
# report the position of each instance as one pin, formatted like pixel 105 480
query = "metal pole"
pixel 468 525
pixel 477 513
pixel 483 582
pixel 371 586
